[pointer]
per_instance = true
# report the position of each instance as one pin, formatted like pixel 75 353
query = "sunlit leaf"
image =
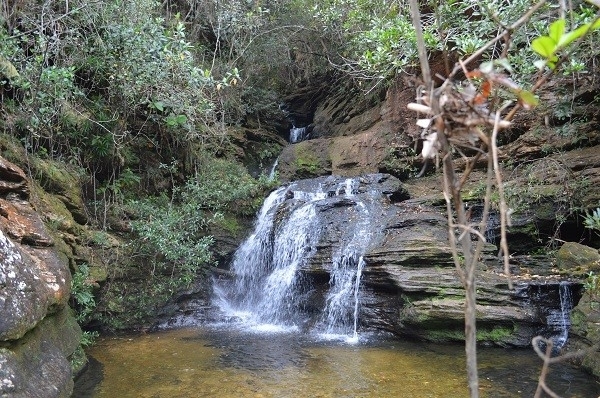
pixel 557 29
pixel 540 63
pixel 570 37
pixel 528 99
pixel 544 46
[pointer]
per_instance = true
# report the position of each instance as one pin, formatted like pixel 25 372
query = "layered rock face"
pixel 410 286
pixel 551 170
pixel 37 332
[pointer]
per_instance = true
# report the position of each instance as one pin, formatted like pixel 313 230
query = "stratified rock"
pixel 37 331
pixel 578 258
pixel 13 180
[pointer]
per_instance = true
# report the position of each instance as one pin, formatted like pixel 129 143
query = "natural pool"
pixel 216 362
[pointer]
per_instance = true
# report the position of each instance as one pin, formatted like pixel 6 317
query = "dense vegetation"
pixel 142 100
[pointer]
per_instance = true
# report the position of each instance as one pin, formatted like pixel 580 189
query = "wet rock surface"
pixel 410 286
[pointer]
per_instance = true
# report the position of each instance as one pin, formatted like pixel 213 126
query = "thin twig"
pixel 504 222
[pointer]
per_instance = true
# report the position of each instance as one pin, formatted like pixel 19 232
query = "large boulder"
pixel 576 258
pixel 37 331
pixel 585 331
pixel 38 365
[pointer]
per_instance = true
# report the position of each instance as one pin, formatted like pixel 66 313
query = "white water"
pixel 561 319
pixel 273 171
pixel 268 292
pixel 297 134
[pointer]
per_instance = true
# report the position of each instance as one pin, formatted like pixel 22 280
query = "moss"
pixel 13 151
pixel 497 334
pixel 445 335
pixel 78 361
pixel 230 224
pixel 307 164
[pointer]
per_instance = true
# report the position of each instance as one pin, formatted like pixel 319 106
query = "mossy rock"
pixel 305 159
pixel 7 69
pixel 585 325
pixel 13 151
pixel 65 183
pixel 577 258
pixel 37 365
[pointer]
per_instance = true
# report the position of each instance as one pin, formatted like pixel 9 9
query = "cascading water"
pixel 297 134
pixel 269 292
pixel 273 171
pixel 561 319
pixel 566 306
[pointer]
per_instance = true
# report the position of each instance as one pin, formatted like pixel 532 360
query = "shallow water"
pixel 205 362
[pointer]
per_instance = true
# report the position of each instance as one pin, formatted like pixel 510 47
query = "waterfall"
pixel 297 134
pixel 269 290
pixel 566 305
pixel 273 170
pixel 560 319
pixel 340 316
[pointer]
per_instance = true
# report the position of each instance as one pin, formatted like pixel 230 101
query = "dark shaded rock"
pixel 585 331
pixel 13 180
pixel 37 365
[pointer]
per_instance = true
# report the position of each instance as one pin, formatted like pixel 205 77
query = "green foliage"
pixel 82 297
pixel 592 220
pixel 170 234
pixel 376 39
pixel 592 283
pixel 224 185
pixel 558 39
pixel 173 233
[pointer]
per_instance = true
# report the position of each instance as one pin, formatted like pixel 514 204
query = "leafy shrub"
pixel 173 232
pixel 592 220
pixel 82 297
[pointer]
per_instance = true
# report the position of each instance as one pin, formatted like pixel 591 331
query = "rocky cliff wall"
pixel 38 334
pixel 551 168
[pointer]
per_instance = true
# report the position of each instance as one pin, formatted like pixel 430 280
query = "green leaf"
pixel 544 46
pixel 159 105
pixel 570 37
pixel 556 30
pixel 528 98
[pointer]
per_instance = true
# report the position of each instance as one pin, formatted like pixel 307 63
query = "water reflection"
pixel 229 363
